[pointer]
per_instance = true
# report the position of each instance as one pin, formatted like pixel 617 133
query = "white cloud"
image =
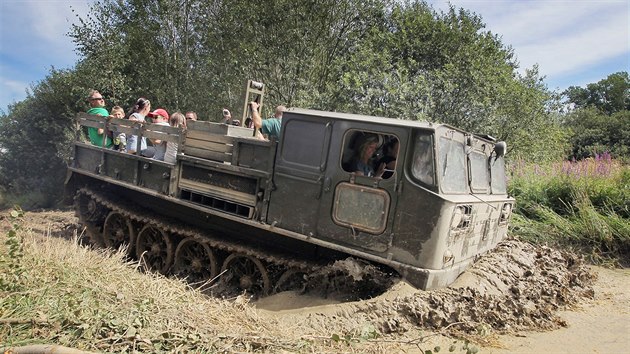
pixel 532 21
pixel 564 37
pixel 52 20
pixel 569 53
pixel 12 85
pixel 33 37
pixel 11 91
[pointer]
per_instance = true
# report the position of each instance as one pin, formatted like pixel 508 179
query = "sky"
pixel 574 42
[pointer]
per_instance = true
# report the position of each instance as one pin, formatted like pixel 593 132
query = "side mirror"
pixel 500 149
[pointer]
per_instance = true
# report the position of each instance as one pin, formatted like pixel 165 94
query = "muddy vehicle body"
pixel 265 213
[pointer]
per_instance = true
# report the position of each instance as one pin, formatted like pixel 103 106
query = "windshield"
pixel 497 170
pixel 452 166
pixel 479 174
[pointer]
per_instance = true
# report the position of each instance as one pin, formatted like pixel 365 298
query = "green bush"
pixel 581 205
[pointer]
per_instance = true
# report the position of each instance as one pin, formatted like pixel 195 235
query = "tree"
pixel 35 137
pixel 595 133
pixel 377 57
pixel 600 119
pixel 609 95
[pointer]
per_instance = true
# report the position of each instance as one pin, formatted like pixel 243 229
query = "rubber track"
pixel 173 227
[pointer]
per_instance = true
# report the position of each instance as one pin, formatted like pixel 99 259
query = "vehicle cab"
pixel 441 205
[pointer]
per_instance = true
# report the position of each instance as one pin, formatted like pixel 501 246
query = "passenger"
pixel 159 117
pixel 140 110
pixel 389 159
pixel 190 115
pixel 97 107
pixel 227 116
pixel 177 120
pixel 360 163
pixel 119 139
pixel 269 127
pixel 117 112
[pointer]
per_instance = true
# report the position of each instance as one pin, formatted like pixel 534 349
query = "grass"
pixel 56 291
pixel 581 205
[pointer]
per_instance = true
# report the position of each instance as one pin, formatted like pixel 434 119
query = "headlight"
pixel 506 211
pixel 458 215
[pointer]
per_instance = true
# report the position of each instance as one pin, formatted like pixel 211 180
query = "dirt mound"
pixel 518 286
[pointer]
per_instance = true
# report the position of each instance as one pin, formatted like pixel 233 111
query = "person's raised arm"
pixel 256 120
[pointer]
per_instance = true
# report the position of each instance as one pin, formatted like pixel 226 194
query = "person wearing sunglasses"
pixel 97 107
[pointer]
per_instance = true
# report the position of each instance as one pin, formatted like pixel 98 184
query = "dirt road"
pixel 601 325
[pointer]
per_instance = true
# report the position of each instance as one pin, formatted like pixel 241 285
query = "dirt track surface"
pixel 519 298
pixel 517 287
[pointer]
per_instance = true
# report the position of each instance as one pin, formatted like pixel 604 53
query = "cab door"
pixel 359 210
pixel 301 162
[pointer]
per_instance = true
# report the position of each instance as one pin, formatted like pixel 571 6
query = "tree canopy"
pixel 379 57
pixel 609 95
pixel 600 118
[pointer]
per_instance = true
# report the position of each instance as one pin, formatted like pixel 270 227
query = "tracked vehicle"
pixel 265 214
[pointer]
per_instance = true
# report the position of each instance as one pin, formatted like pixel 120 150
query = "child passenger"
pixel 120 140
pixel 177 120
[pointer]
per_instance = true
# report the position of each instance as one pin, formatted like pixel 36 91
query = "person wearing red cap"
pixel 160 117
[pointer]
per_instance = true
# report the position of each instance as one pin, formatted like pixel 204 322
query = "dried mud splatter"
pixel 518 286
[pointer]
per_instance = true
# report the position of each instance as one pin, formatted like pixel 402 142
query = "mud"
pixel 349 280
pixel 516 287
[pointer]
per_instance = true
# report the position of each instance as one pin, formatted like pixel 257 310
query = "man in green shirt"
pixel 97 104
pixel 269 127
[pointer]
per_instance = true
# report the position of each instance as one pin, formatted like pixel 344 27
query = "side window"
pixel 497 170
pixel 303 144
pixel 422 168
pixel 370 154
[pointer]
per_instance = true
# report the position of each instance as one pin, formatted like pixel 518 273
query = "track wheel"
pixel 155 247
pixel 92 236
pixel 90 216
pixel 86 208
pixel 247 273
pixel 293 279
pixel 118 231
pixel 195 261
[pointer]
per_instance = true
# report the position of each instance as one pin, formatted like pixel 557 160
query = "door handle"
pixel 325 187
pixel 327 183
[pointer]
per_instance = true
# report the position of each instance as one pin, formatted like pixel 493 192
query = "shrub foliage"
pixel 581 204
